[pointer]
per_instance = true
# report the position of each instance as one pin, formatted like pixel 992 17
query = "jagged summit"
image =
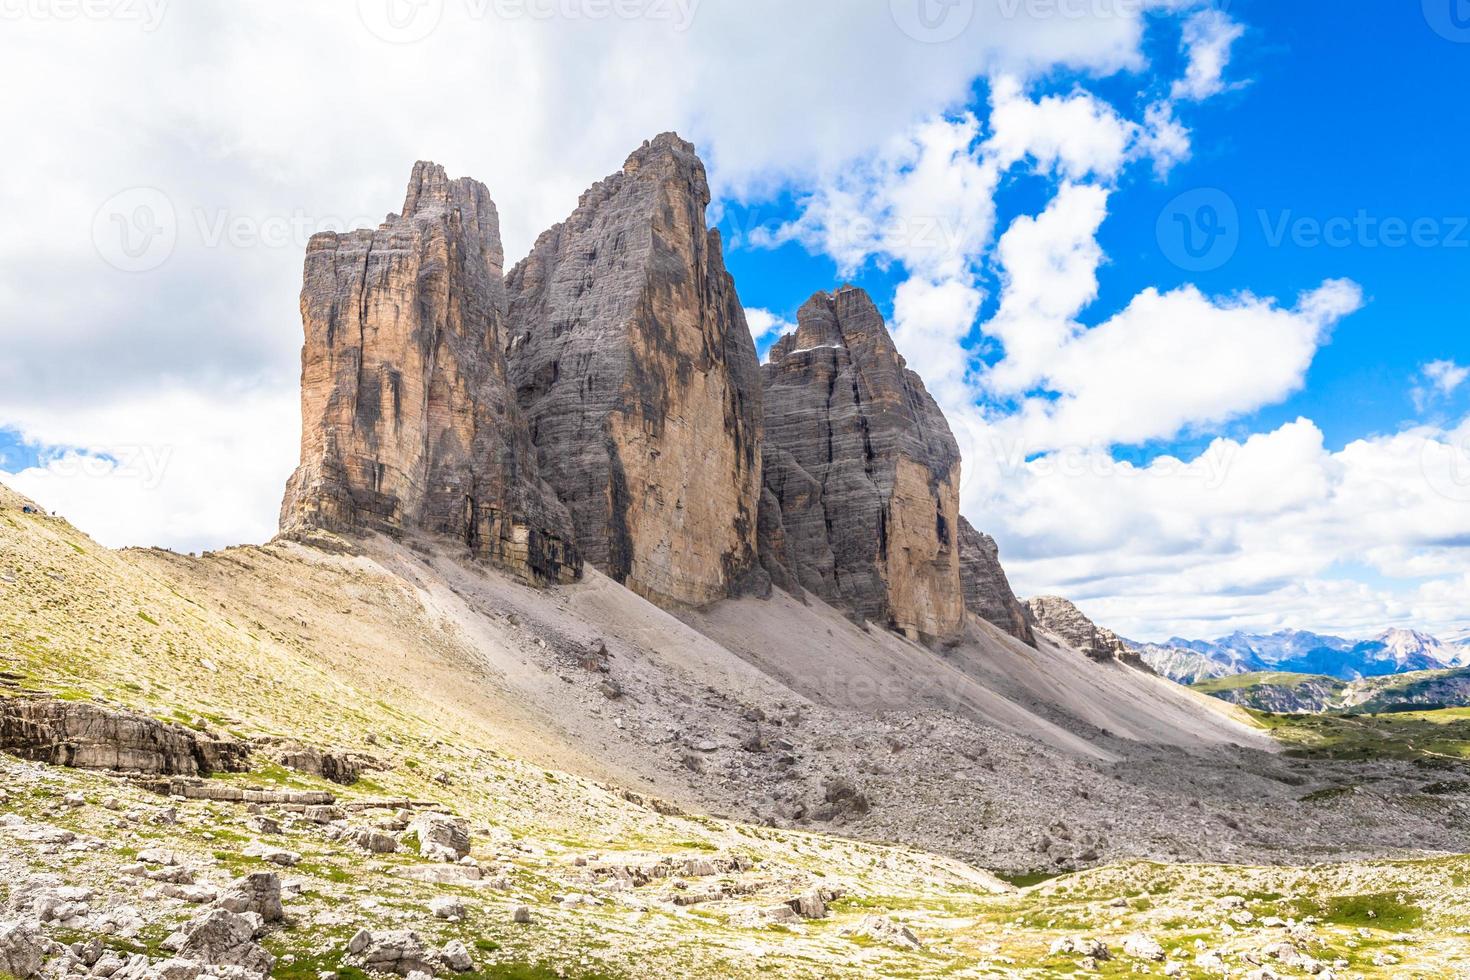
pixel 631 358
pixel 603 401
pixel 862 471
pixel 407 418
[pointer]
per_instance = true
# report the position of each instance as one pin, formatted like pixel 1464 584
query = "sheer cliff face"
pixel 407 418
pixel 863 472
pixel 631 359
pixel 987 590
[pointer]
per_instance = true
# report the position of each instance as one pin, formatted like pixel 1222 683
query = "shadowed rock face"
pixel 863 471
pixel 987 590
pixel 407 418
pixel 632 361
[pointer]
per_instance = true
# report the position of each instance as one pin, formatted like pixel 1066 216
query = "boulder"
pixel 635 368
pixel 440 837
pixel 408 422
pixel 863 473
pixel 225 938
pixel 398 951
pixel 259 893
pixel 456 956
pixel 1143 947
pixel 22 949
pixel 884 930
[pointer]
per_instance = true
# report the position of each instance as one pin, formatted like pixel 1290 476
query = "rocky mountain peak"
pixel 408 422
pixel 1061 618
pixel 631 358
pixel 862 471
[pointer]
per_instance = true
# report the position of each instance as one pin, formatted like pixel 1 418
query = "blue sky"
pixel 1332 113
pixel 1271 433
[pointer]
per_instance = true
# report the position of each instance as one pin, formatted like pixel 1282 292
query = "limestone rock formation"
pixel 987 590
pixel 636 371
pixel 1066 622
pixel 407 418
pixel 863 472
pixel 84 735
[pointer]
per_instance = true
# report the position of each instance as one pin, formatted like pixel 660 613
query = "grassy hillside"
pixel 1439 734
pixel 82 622
pixel 1237 682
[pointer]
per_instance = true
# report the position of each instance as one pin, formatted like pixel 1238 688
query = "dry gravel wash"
pixel 451 676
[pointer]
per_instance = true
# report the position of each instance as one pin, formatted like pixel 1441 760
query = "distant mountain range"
pixel 1286 693
pixel 1396 651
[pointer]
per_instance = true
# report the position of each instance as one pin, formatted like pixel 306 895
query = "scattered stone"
pixel 446 907
pixel 440 836
pixel 259 893
pixel 884 930
pixel 521 915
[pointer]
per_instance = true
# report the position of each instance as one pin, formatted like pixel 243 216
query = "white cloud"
pixel 1174 361
pixel 765 326
pixel 173 468
pixel 259 123
pixel 1435 382
pixel 1207 40
pixel 1075 135
pixel 1274 530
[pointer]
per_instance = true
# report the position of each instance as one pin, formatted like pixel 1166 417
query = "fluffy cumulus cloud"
pixel 765 326
pixel 148 292
pixel 1271 531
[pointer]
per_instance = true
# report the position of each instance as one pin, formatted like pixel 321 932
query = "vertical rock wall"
pixel 407 418
pixel 864 472
pixel 632 361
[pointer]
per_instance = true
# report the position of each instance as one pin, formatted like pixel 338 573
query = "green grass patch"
pixel 147 618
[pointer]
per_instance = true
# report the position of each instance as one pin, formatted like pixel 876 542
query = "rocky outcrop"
pixel 633 364
pixel 1066 622
pixel 407 418
pixel 987 590
pixel 862 472
pixel 84 735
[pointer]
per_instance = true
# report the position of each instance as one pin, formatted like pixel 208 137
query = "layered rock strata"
pixel 407 418
pixel 862 473
pixel 84 735
pixel 634 366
